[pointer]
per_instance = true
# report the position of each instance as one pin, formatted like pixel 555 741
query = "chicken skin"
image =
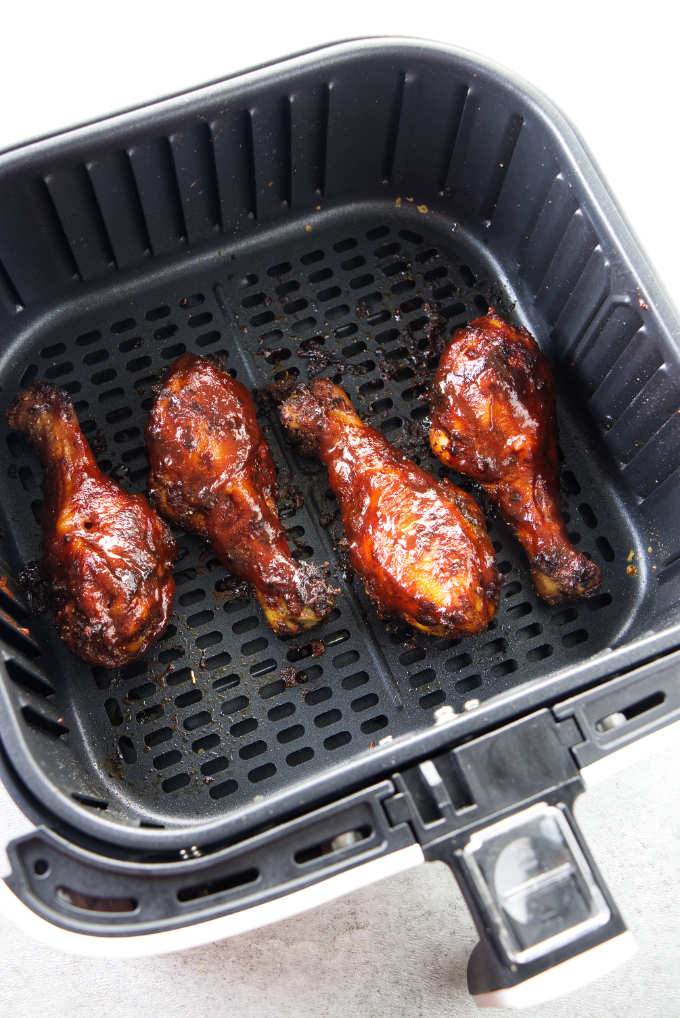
pixel 419 545
pixel 493 419
pixel 107 556
pixel 212 473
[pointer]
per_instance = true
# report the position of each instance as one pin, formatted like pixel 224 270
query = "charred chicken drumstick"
pixel 106 554
pixel 212 473
pixel 494 420
pixel 419 545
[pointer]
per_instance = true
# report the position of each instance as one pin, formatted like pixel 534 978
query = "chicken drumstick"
pixel 106 554
pixel 212 473
pixel 494 420
pixel 419 545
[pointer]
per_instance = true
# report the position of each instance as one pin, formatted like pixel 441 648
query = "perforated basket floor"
pixel 222 710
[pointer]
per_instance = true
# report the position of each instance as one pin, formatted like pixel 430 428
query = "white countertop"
pixel 398 948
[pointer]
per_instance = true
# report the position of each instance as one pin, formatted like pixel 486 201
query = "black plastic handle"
pixel 546 920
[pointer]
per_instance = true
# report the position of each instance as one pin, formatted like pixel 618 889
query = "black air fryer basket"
pixel 336 214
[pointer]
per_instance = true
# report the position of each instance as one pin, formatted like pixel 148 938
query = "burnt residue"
pixel 330 362
pixel 229 588
pixel 98 442
pixel 290 500
pixel 34 587
pixel 344 564
pixel 268 397
pixel 328 517
pixel 288 676
pixel 120 472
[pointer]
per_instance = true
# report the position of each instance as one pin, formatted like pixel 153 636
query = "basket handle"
pixel 546 921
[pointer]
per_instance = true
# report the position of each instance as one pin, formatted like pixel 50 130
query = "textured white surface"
pixel 398 948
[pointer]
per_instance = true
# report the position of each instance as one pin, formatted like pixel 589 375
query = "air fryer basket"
pixel 336 214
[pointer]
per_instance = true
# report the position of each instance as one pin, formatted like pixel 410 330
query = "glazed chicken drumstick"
pixel 419 545
pixel 212 473
pixel 107 556
pixel 494 420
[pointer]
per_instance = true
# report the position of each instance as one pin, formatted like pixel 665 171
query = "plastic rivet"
pixel 614 720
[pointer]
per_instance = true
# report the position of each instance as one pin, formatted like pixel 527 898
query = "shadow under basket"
pixel 338 214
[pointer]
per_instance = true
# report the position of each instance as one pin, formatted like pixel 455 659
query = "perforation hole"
pixel 176 678
pixel 518 611
pixel 457 663
pixel 224 789
pixel 186 699
pixel 205 743
pixel 410 657
pixel 252 750
pixel 271 689
pixel 312 256
pixel 95 357
pixel 210 767
pixel 337 740
pixel 320 275
pixel 171 352
pixel 341 311
pixel 345 245
pixel 467 684
pixel 540 653
pixel 157 737
pixel 200 618
pixel 208 338
pixel 373 724
pixel 113 711
pixel 329 717
pixel 575 637
pixel 198 720
pixel 110 394
pixel 124 325
pixel 169 759
pixel 318 695
pixel 605 549
pixel 127 749
pixel 504 668
pixel 162 311
pixel 55 350
pixel 430 700
pixel 362 703
pixel 142 692
pixel 355 680
pixel 528 632
pixel 599 601
pixel 244 727
pixel 226 682
pixel 217 661
pixel 281 711
pixel 59 370
pixel 209 639
pixel 290 734
pixel 300 756
pixel 236 704
pixel 149 714
pixel 174 783
pixel 565 615
pixel 261 773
